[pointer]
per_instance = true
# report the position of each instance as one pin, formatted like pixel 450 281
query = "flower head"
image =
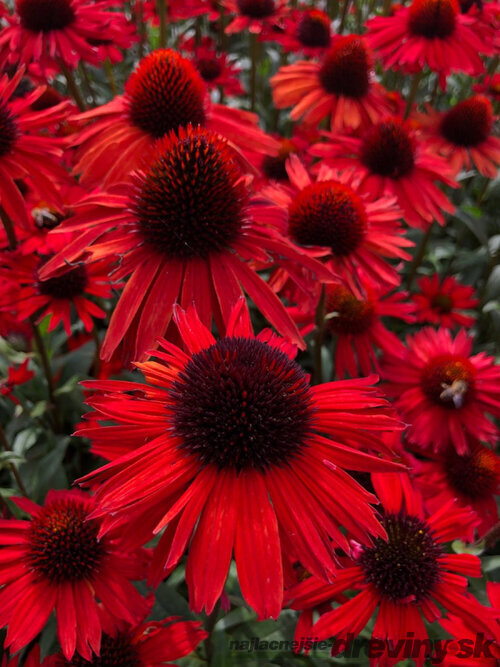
pixel 440 301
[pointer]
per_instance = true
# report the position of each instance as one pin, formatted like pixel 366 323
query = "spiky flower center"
pixel 469 122
pixel 406 567
pixel 8 130
pixel 475 475
pixel 115 652
pixel 63 543
pixel 448 380
pixel 68 285
pixel 388 149
pixel 242 404
pixel 432 18
pixel 191 201
pixel 330 214
pixel 313 29
pixel 346 313
pixel 346 68
pixel 256 9
pixel 164 93
pixel 443 303
pixel 45 15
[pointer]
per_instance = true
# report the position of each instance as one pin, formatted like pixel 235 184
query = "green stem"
pixel 85 77
pixel 254 55
pixel 141 27
pixel 386 10
pixel 319 337
pixel 42 350
pixel 343 16
pixel 413 92
pixel 419 256
pixel 15 472
pixel 111 77
pixel 209 627
pixel 162 15
pixel 222 30
pixel 97 355
pixel 72 87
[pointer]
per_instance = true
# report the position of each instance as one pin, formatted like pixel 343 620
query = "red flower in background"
pixel 25 155
pixel 185 233
pixel 463 135
pixel 304 30
pixel 149 644
pixel 440 299
pixel 221 432
pixel 442 391
pixel 428 32
pixel 342 86
pixel 216 70
pixel 51 31
pixel 15 377
pixel 58 560
pixel 404 577
pixel 389 160
pixel 254 15
pixel 164 94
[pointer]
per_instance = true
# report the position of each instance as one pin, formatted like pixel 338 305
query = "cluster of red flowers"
pixel 199 247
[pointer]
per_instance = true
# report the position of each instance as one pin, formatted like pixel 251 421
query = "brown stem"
pixel 15 472
pixel 413 92
pixel 343 16
pixel 319 337
pixel 419 256
pixel 42 350
pixel 162 15
pixel 72 87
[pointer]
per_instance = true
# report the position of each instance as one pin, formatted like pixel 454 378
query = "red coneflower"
pixel 304 30
pixel 428 32
pixel 463 135
pixel 472 478
pixel 326 217
pixel 354 318
pixel 341 86
pixel 254 15
pixel 57 560
pixel 15 377
pixel 25 155
pixel 439 300
pixel 55 296
pixel 442 391
pixel 215 68
pixel 490 85
pixel 150 644
pixel 404 577
pixel 233 426
pixel 163 94
pixel 48 31
pixel 389 159
pixel 185 233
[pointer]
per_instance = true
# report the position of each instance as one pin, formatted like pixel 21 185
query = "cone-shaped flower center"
pixel 191 201
pixel 349 315
pixel 115 652
pixel 405 568
pixel 469 122
pixel 256 9
pixel 66 286
pixel 8 130
pixel 388 149
pixel 474 475
pixel 442 303
pixel 330 214
pixel 242 404
pixel 45 15
pixel 209 68
pixel 164 93
pixel 448 380
pixel 432 18
pixel 63 544
pixel 313 29
pixel 346 68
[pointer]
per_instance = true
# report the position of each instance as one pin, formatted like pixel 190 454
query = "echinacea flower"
pixel 463 135
pixel 472 478
pixel 390 160
pixel 25 155
pixel 164 93
pixel 440 301
pixel 354 319
pixel 55 296
pixel 307 30
pixel 228 443
pixel 149 644
pixel 57 560
pixel 329 219
pixel 254 15
pixel 185 232
pixel 341 86
pixel 428 32
pixel 442 391
pixel 50 31
pixel 216 70
pixel 403 579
